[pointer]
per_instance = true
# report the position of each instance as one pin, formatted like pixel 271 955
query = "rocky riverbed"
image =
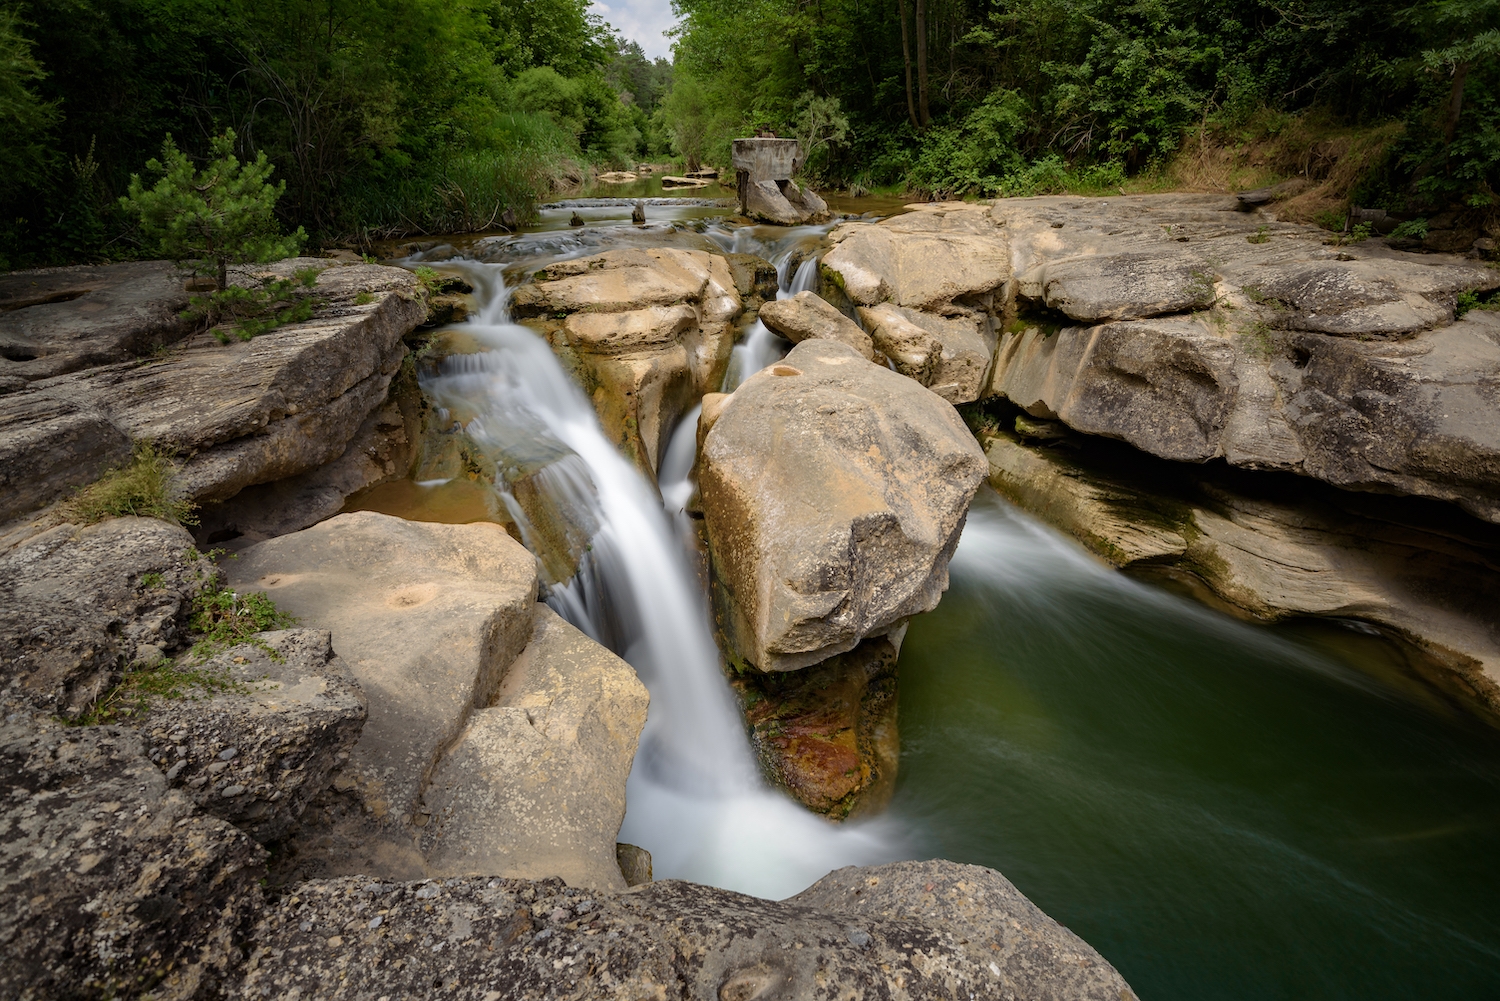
pixel 420 786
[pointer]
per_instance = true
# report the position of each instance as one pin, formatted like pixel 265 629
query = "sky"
pixel 642 20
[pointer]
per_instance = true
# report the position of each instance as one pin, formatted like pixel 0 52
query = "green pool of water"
pixel 1222 810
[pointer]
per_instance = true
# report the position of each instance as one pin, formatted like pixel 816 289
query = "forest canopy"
pixel 388 117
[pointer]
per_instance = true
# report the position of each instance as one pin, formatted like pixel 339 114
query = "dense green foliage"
pixel 380 116
pixel 387 117
pixel 1019 96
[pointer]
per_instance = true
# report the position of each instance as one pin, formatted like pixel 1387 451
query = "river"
pixel 1223 810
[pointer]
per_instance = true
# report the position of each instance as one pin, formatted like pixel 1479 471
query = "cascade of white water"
pixel 696 798
pixel 760 346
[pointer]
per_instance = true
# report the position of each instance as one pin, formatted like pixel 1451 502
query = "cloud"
pixel 641 20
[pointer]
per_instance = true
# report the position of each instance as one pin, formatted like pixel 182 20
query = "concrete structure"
pixel 763 169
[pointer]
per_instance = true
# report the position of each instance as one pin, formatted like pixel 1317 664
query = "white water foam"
pixel 696 799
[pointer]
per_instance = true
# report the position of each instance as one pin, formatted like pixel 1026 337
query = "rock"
pixel 635 864
pixel 289 719
pixel 1098 288
pixel 932 259
pixel 246 412
pixel 50 446
pixel 805 316
pixel 427 618
pixel 1347 370
pixel 911 929
pixel 827 734
pixel 1162 385
pixel 383 449
pixel 1279 547
pixel 78 605
pixel 650 330
pixel 833 493
pixel 949 355
pixel 754 277
pixel 113 885
pixel 676 181
pixel 59 320
pixel 535 785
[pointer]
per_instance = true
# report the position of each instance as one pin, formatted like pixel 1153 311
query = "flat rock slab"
pixel 59 320
pixel 926 259
pixel 906 930
pixel 78 605
pixel 426 617
pixel 535 785
pixel 243 413
pixel 834 491
pixel 255 753
pixel 114 885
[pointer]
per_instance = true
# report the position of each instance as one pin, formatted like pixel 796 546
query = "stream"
pixel 1223 810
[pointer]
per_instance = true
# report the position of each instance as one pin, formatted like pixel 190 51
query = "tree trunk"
pixel 1455 100
pixel 223 273
pixel 922 63
pixel 911 103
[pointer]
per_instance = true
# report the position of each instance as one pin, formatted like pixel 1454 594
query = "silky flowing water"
pixel 1223 810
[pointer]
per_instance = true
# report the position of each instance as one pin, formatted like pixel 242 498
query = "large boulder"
pixel 806 316
pixel 908 930
pixel 833 493
pixel 427 618
pixel 936 258
pixel 535 785
pixel 114 885
pixel 647 331
pixel 242 413
pixel 79 605
pixel 1278 548
pixel 266 737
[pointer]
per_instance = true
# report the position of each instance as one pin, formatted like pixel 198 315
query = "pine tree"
pixel 211 218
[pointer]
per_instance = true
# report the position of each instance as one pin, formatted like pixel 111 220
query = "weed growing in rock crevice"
pixel 225 618
pixel 141 488
pixel 162 679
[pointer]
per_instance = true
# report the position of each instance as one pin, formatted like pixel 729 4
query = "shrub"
pixel 142 488
pixel 211 218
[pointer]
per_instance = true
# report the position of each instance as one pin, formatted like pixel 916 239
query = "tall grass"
pixel 466 190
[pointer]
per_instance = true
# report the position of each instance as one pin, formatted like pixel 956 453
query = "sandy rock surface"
pixel 427 618
pixel 535 784
pixel 904 931
pixel 833 491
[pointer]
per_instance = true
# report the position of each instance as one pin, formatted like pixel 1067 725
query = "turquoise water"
pixel 1222 810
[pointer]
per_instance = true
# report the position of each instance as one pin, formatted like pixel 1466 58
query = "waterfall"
pixel 760 346
pixel 696 799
